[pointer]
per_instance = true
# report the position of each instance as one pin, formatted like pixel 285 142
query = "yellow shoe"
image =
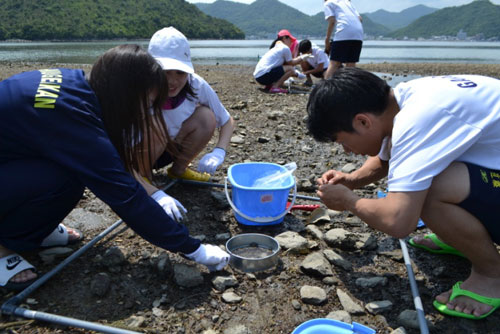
pixel 190 174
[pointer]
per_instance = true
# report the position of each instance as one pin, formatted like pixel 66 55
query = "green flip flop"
pixel 443 248
pixel 457 291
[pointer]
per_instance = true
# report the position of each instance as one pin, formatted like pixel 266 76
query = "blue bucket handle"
pixel 260 219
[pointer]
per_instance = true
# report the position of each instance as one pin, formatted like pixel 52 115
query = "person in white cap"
pixel 192 112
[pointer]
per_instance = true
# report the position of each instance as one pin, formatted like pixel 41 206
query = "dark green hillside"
pixel 480 16
pixel 372 28
pixel 399 20
pixel 222 8
pixel 263 17
pixel 106 19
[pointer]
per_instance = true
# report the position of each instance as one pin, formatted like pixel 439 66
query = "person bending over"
pixel 61 132
pixel 437 139
pixel 315 65
pixel 277 65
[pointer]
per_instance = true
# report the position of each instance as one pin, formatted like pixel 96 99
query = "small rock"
pixel 231 298
pixel 348 303
pixel 317 265
pixel 312 295
pixel 99 285
pixel 237 140
pixel 187 276
pixel 340 315
pixel 319 215
pixel 376 307
pixel 113 257
pixel 371 282
pixel 221 283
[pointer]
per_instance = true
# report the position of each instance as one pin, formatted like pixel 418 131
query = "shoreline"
pixel 8 69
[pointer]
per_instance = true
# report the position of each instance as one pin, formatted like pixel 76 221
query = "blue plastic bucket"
pixel 331 326
pixel 259 205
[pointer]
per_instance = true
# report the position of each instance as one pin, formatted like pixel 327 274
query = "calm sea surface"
pixel 248 51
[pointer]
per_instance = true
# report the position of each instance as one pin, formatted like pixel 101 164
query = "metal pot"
pixel 251 252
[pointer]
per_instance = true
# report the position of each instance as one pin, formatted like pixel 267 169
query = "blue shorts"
pixel 35 196
pixel 483 201
pixel 271 77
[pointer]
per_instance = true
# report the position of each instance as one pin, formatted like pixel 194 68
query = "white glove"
pixel 300 75
pixel 306 56
pixel 169 204
pixel 211 161
pixel 211 256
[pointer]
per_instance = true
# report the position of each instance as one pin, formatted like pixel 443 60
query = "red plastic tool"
pixel 308 207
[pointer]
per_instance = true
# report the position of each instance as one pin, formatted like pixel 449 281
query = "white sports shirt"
pixel 205 95
pixel 275 57
pixel 320 57
pixel 348 26
pixel 441 120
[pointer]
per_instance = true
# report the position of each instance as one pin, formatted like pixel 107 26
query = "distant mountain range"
pixel 107 19
pixel 480 17
pixel 399 20
pixel 264 18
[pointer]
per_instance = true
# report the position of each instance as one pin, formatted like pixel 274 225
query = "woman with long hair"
pixel 61 133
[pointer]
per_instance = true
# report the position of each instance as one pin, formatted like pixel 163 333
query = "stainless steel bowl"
pixel 251 252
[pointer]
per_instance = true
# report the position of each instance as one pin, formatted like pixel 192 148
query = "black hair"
pixel 277 39
pixel 335 102
pixel 188 91
pixel 305 46
pixel 123 79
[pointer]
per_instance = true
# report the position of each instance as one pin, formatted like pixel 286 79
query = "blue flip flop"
pixel 443 248
pixel 457 291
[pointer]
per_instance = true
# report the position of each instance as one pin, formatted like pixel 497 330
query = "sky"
pixel 312 7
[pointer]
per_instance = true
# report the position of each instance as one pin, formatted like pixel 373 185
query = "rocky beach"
pixel 331 264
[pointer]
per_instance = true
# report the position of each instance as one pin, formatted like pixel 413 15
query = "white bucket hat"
pixel 171 50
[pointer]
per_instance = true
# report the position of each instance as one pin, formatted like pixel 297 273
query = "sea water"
pixel 248 52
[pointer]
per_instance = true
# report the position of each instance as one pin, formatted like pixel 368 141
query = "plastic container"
pixel 330 326
pixel 264 204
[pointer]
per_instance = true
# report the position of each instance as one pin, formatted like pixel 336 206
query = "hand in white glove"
pixel 300 75
pixel 211 161
pixel 306 56
pixel 211 256
pixel 169 204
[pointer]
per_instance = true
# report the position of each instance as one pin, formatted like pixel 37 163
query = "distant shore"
pixel 491 70
pixel 394 69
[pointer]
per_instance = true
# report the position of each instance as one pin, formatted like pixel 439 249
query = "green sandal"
pixel 457 291
pixel 443 248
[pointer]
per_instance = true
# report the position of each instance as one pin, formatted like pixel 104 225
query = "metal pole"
pixel 10 307
pixel 65 321
pixel 26 292
pixel 219 185
pixel 414 290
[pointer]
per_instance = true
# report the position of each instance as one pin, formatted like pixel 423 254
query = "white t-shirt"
pixel 441 120
pixel 275 57
pixel 348 26
pixel 320 57
pixel 205 95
